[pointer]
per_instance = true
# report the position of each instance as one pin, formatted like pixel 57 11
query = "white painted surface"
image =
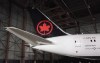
pixel 68 45
pixel 65 45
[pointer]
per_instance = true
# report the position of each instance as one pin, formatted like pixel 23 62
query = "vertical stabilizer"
pixel 43 25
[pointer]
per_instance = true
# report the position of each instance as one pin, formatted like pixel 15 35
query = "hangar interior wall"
pixel 13 16
pixel 87 25
pixel 10 45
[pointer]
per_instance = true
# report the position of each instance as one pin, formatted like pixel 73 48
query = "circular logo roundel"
pixel 44 27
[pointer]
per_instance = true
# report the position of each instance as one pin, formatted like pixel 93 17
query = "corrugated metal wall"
pixel 13 14
pixel 10 45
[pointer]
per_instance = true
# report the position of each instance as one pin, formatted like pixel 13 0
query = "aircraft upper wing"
pixel 28 37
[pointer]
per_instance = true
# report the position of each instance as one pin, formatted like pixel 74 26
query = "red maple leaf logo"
pixel 44 27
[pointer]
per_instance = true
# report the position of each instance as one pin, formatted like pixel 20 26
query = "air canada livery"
pixel 51 38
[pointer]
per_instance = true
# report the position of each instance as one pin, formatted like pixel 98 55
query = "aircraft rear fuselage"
pixel 83 45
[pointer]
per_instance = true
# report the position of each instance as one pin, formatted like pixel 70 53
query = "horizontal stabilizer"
pixel 28 37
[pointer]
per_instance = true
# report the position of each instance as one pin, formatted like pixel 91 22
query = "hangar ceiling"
pixel 65 13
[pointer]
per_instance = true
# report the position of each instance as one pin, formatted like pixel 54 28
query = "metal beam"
pixel 93 18
pixel 67 9
pixel 95 26
pixel 78 27
pixel 75 18
pixel 23 42
pixel 35 55
pixel 51 58
pixel 1 41
pixel 50 9
pixel 0 23
pixel 8 34
pixel 22 52
pixel 43 57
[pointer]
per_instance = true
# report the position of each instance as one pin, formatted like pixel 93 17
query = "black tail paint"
pixel 43 26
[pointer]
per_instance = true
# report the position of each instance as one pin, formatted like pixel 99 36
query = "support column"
pixel 51 58
pixel 43 57
pixel 35 54
pixel 95 25
pixel 23 52
pixel 0 23
pixel 23 42
pixel 8 35
pixel 78 27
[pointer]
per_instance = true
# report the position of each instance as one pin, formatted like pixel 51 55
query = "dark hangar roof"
pixel 65 13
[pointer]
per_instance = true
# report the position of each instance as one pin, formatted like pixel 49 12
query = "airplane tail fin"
pixel 43 25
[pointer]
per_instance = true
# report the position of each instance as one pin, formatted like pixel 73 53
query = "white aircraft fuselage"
pixel 83 45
